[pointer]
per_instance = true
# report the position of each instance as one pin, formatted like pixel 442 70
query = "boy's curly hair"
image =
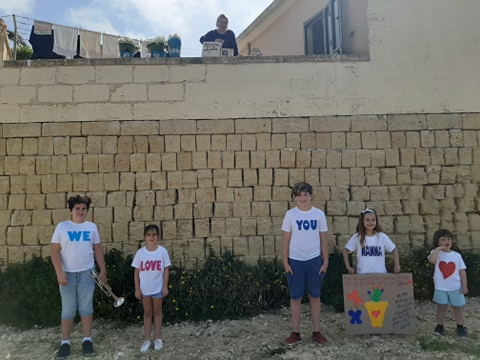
pixel 75 200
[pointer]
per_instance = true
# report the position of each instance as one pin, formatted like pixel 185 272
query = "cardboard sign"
pixel 379 303
pixel 211 49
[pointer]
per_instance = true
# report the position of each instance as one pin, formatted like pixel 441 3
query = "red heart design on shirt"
pixel 447 269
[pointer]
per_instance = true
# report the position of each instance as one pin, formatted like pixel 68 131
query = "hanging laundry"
pixel 90 44
pixel 65 41
pixel 42 28
pixel 42 45
pixel 110 46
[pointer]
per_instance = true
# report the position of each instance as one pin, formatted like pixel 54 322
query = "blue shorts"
pixel 305 274
pixel 77 294
pixel 155 296
pixel 454 298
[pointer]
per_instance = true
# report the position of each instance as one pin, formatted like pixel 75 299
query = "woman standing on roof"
pixel 222 35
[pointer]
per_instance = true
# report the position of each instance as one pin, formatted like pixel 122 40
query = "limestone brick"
pixel 377 158
pixel 27 165
pixel 21 130
pixel 333 123
pixel 250 177
pixel 353 141
pixel 407 157
pixel 293 141
pixel 264 142
pixel 407 122
pixel 30 146
pixel 413 139
pixel 215 126
pixel 290 125
pixel 234 142
pixel 235 178
pixel 363 158
pixel 18 94
pixel 14 146
pixel 228 160
pixel 249 142
pixel 279 141
pixel 442 138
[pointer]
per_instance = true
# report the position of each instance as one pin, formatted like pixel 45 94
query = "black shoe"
pixel 87 348
pixel 63 352
pixel 439 330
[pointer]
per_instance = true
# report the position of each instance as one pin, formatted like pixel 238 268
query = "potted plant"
pixel 157 46
pixel 174 45
pixel 128 46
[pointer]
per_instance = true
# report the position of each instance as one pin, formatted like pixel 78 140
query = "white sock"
pixel 65 342
pixel 87 339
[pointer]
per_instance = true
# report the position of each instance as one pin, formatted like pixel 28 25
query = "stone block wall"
pixel 225 183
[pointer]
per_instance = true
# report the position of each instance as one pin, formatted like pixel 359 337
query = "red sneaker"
pixel 318 338
pixel 293 339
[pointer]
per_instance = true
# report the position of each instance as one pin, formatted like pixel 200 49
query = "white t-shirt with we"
pixel 76 242
pixel 152 266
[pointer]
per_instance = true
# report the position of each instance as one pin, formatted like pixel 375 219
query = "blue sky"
pixel 141 19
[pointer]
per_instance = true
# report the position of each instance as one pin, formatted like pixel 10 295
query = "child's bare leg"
pixel 458 313
pixel 157 318
pixel 295 311
pixel 315 308
pixel 147 316
pixel 441 311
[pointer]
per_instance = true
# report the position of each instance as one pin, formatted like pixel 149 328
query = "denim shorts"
pixel 454 298
pixel 77 294
pixel 305 274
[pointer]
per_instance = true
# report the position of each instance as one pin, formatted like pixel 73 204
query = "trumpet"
pixel 118 301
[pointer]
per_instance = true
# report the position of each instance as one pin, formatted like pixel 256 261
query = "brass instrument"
pixel 106 289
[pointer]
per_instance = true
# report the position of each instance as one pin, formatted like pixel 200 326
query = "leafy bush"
pixel 24 53
pixel 225 287
pixel 29 294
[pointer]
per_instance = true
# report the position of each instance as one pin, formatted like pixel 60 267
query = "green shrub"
pixel 24 53
pixel 29 294
pixel 225 287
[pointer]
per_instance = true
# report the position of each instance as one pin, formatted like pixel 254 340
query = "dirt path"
pixel 256 338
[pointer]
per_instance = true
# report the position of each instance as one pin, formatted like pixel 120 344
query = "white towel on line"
pixel 65 41
pixel 90 44
pixel 110 46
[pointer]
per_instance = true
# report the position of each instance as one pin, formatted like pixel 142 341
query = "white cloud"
pixel 10 7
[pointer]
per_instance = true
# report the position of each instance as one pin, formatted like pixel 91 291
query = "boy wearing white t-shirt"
pixel 75 246
pixel 305 259
pixel 152 270
pixel 450 280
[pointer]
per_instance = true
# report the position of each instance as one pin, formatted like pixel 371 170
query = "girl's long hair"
pixel 361 229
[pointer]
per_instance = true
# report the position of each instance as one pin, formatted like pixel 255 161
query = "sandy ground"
pixel 257 338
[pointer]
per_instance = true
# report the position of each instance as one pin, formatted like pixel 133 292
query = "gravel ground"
pixel 256 338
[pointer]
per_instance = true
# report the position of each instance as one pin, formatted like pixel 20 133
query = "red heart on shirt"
pixel 447 269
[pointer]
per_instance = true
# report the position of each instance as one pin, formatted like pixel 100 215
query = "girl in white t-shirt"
pixel 370 245
pixel 151 263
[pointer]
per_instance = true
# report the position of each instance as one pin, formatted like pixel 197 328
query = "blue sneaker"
pixel 87 348
pixel 63 352
pixel 461 331
pixel 439 330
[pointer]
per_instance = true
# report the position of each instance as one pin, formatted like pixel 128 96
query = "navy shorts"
pixel 305 275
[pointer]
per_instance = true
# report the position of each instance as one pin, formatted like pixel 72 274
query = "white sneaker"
pixel 158 344
pixel 145 346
